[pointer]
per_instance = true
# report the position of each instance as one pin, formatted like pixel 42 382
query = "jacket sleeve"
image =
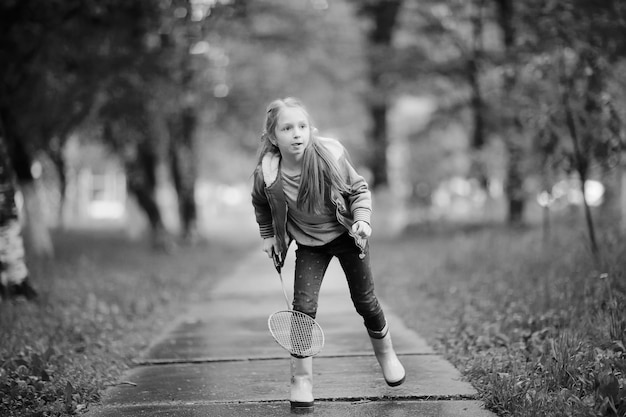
pixel 359 197
pixel 262 210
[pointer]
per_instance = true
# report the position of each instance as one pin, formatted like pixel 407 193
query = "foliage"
pixel 534 325
pixel 102 300
pixel 155 66
pixel 61 57
pixel 569 63
pixel 52 77
pixel 498 69
pixel 277 49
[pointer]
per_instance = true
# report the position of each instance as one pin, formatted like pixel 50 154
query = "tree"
pixel 59 57
pixel 257 58
pixel 580 43
pixel 14 280
pixel 382 18
pixel 512 128
pixel 449 48
pixel 68 61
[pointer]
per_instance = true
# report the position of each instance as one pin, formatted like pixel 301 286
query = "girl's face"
pixel 292 133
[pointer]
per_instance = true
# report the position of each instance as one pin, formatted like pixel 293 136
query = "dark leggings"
pixel 311 265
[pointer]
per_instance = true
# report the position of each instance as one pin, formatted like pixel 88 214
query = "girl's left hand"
pixel 362 229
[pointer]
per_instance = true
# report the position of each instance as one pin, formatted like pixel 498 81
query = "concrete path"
pixel 219 359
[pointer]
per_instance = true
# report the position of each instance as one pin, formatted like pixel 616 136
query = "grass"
pixel 536 325
pixel 103 299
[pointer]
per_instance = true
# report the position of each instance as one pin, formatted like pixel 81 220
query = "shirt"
pixel 306 228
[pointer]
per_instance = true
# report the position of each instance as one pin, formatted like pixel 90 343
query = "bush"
pixel 535 324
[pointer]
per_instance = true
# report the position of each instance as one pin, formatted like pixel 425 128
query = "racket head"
pixel 296 332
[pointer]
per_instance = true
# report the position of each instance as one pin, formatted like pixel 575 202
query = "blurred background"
pixel 491 133
pixel 145 116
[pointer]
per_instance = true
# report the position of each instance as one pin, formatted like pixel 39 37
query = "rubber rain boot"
pixel 393 371
pixel 301 396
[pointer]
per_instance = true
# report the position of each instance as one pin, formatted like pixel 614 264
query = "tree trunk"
pixel 512 125
pixel 36 229
pixel 582 138
pixel 622 178
pixel 515 181
pixel 589 219
pixel 383 15
pixel 477 104
pixel 36 232
pixel 478 108
pixel 142 183
pixel 184 169
pixel 582 166
pixel 478 169
pixel 56 156
pixel 13 270
pixel 473 74
pixel 378 160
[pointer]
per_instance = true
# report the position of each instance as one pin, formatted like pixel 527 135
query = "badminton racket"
pixel 296 332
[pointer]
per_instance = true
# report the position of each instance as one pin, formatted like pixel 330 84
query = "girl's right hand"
pixel 269 246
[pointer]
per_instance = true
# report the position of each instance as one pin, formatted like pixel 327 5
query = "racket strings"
pixel 296 332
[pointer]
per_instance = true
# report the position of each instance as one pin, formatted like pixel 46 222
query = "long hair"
pixel 320 173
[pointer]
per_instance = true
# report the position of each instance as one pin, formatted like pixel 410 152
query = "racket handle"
pixel 277 262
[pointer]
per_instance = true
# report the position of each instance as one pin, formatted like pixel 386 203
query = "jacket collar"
pixel 271 161
pixel 269 166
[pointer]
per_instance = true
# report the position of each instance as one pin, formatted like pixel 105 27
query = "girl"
pixel 305 189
